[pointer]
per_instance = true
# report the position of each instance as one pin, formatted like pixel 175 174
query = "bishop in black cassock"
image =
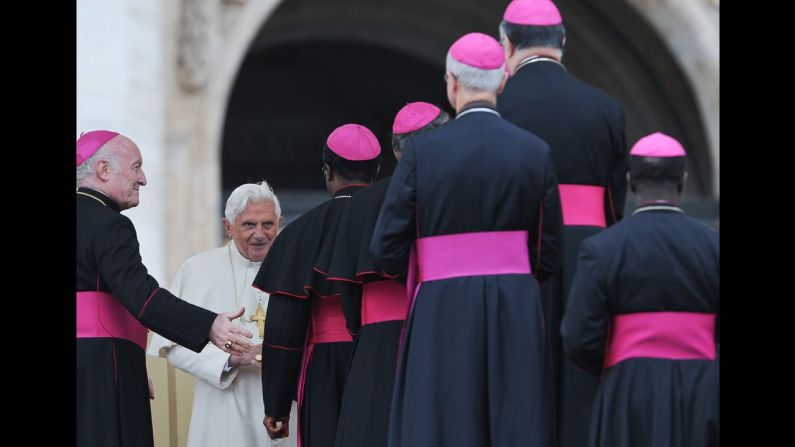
pixel 307 345
pixel 584 128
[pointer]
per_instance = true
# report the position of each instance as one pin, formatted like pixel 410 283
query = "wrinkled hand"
pixel 275 430
pixel 224 330
pixel 151 390
pixel 247 358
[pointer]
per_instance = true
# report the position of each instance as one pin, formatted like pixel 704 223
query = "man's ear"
pixel 227 227
pixel 631 183
pixel 102 168
pixel 330 174
pixel 327 173
pixel 680 187
pixel 510 49
pixel 456 85
pixel 502 83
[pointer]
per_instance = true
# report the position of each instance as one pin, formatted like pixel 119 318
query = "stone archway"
pixel 209 42
pixel 610 44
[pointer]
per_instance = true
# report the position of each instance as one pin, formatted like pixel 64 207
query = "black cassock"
pixel 471 370
pixel 584 128
pixel 657 262
pixel 364 416
pixel 112 389
pixel 297 291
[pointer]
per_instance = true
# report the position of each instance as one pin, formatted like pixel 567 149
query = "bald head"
pixel 115 170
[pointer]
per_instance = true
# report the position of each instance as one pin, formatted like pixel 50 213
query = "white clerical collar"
pixel 536 58
pixel 660 207
pixel 478 109
pixel 238 257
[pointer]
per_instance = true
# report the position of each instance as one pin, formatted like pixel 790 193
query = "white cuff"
pixel 227 368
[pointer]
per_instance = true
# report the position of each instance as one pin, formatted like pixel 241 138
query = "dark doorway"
pixel 287 100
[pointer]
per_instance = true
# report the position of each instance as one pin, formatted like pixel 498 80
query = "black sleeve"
pixel 545 236
pixel 585 319
pixel 395 229
pixel 119 264
pixel 282 349
pixel 351 304
pixel 617 189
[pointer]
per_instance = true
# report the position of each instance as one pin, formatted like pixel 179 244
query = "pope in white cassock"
pixel 227 398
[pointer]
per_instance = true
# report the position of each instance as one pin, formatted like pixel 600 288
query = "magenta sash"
pixel 666 335
pixel 383 301
pixel 328 323
pixel 99 315
pixel 327 326
pixel 464 254
pixel 472 254
pixel 583 205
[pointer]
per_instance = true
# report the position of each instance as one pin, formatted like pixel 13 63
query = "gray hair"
pixel 86 169
pixel 250 193
pixel 475 78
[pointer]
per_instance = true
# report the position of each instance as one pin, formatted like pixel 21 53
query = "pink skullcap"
pixel 657 145
pixel 414 116
pixel 532 12
pixel 354 142
pixel 478 50
pixel 90 142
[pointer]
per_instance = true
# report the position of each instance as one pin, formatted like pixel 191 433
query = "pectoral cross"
pixel 259 317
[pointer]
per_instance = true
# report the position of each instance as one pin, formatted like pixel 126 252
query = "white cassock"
pixel 227 406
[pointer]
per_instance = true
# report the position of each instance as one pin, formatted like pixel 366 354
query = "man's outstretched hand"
pixel 228 336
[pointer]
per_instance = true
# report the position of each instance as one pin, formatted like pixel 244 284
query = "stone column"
pixel 120 65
